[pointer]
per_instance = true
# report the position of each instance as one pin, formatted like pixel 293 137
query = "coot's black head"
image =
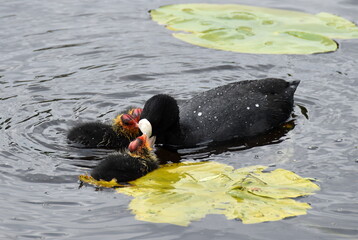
pixel 162 112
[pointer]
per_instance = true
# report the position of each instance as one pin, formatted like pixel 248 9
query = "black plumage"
pixel 123 167
pixel 237 110
pixel 97 135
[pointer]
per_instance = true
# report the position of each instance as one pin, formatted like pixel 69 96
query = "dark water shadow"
pixel 203 152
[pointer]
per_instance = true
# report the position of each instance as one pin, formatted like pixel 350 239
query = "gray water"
pixel 64 62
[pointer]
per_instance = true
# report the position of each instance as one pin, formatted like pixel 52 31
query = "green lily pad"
pixel 249 29
pixel 185 192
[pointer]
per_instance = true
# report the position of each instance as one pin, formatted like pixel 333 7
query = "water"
pixel 62 62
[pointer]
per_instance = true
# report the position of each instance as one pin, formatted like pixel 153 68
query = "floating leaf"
pixel 100 183
pixel 249 29
pixel 184 192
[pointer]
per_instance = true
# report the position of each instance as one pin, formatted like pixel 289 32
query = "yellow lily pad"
pixel 249 29
pixel 185 192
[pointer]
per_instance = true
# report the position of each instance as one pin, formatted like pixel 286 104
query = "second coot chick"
pixel 128 166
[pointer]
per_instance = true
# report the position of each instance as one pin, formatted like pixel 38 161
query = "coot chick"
pixel 128 166
pixel 237 110
pixel 101 135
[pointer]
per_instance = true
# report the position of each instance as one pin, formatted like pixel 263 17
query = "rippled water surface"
pixel 63 62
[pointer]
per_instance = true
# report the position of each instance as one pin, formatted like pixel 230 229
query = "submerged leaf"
pixel 184 192
pixel 100 183
pixel 249 29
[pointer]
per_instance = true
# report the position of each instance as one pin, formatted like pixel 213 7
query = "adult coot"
pixel 236 110
pixel 101 135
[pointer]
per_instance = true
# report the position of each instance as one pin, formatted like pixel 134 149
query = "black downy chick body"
pixel 100 135
pixel 97 135
pixel 128 166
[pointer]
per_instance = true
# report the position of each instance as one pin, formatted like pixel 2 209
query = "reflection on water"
pixel 204 152
pixel 66 62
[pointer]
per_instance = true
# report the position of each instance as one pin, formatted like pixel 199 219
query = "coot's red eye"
pixel 127 120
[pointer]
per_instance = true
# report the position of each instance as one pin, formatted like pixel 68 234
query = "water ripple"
pixel 61 46
pixel 66 62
